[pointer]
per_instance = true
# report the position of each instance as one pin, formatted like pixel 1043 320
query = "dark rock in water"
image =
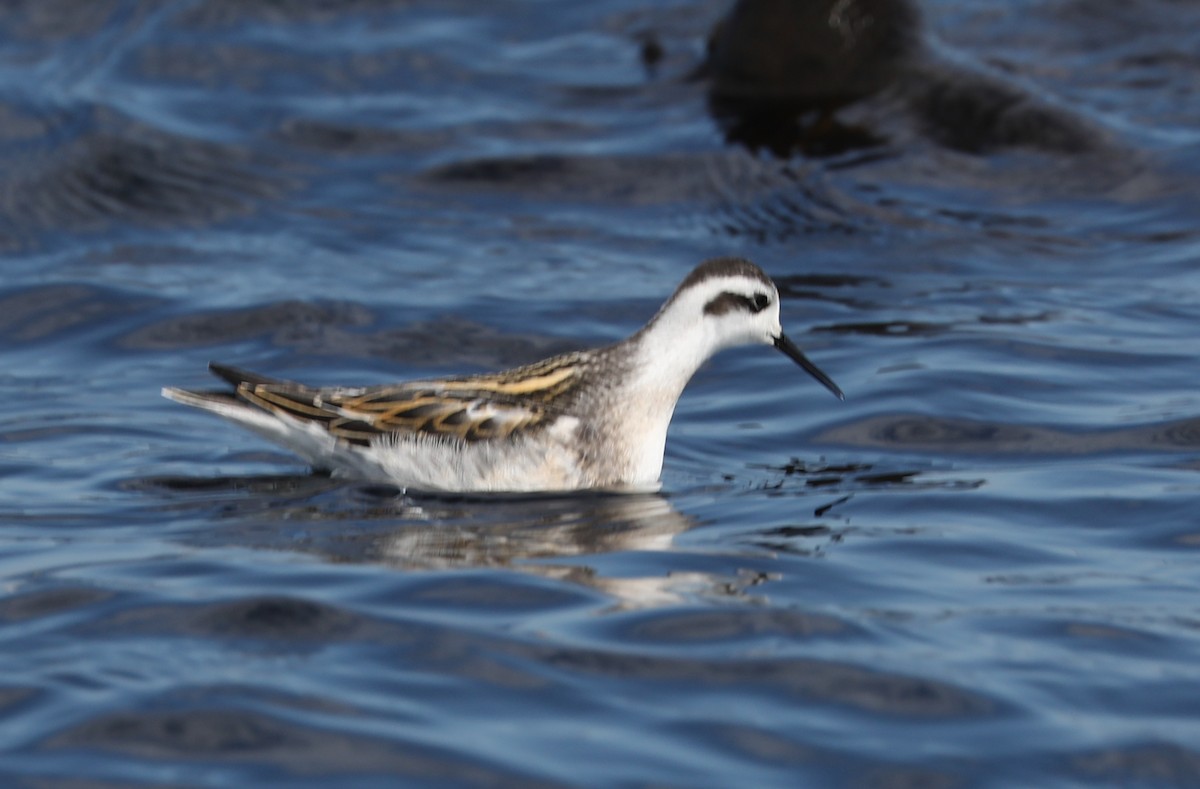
pixel 779 71
pixel 785 128
pixel 823 53
pixel 979 113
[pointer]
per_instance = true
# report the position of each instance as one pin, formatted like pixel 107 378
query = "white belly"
pixel 543 461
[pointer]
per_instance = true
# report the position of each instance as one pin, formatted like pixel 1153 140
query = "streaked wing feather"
pixel 466 415
pixel 470 408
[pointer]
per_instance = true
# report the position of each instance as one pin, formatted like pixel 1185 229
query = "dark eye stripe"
pixel 735 301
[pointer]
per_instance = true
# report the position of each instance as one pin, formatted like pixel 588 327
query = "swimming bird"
pixel 589 419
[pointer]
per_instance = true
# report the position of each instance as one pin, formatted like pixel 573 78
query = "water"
pixel 979 570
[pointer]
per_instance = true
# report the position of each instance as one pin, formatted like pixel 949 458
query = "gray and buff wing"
pixel 469 409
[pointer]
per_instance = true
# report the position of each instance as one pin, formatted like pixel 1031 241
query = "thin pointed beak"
pixel 796 355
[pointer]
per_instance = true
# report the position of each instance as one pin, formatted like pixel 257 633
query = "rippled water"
pixel 979 570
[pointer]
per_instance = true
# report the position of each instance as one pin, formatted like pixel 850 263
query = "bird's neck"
pixel 657 364
pixel 666 353
pixel 663 359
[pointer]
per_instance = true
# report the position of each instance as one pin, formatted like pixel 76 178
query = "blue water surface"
pixel 979 570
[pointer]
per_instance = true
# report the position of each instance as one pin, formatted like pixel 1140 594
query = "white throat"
pixel 666 354
pixel 671 349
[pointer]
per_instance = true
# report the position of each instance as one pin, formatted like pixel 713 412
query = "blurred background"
pixel 979 570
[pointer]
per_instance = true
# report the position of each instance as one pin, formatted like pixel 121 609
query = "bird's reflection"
pixel 487 532
pixel 577 538
pixel 550 536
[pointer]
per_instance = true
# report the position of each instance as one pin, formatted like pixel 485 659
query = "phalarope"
pixel 588 419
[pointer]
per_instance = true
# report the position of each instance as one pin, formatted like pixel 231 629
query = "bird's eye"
pixel 761 301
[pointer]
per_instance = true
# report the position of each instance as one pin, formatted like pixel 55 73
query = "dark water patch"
pixel 144 253
pixel 1105 637
pixel 195 734
pixel 1019 200
pixel 490 596
pixel 406 149
pixel 276 618
pixel 1000 224
pixel 830 764
pixel 13 697
pixel 261 75
pixel 716 629
pixel 232 13
pixel 1117 54
pixel 1156 763
pixel 50 602
pixel 945 435
pixel 758 746
pixel 908 777
pixel 227 66
pixel 805 680
pixel 1182 434
pixel 627 180
pixel 44 781
pixel 98 181
pixel 279 621
pixel 49 312
pixel 275 748
pixel 856 292
pixel 339 138
pixel 283 323
pixel 782 757
pixel 271 498
pixel 449 341
pixel 87 168
pixel 337 330
pixel 56 20
pixel 772 203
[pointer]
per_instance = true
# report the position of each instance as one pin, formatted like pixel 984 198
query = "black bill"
pixel 797 356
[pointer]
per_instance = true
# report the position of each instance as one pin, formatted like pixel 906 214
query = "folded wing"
pixel 467 409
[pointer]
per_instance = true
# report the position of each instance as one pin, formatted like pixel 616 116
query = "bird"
pixel 589 419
